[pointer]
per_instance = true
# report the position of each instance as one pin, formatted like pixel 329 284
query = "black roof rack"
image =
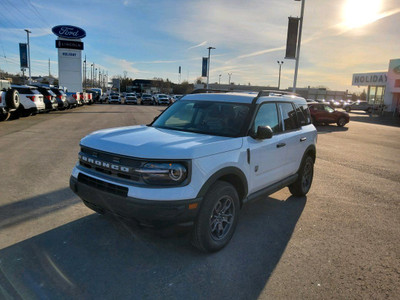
pixel 199 91
pixel 275 93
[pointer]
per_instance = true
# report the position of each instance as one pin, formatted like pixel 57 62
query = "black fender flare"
pixel 310 151
pixel 233 175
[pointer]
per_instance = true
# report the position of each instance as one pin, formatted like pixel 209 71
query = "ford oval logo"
pixel 68 32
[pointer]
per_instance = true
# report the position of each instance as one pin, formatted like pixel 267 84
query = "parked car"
pixel 147 99
pixel 199 162
pixel 114 98
pixel 9 100
pixel 84 98
pixel 130 98
pixel 61 98
pixel 161 99
pixel 325 114
pixel 31 100
pixel 72 98
pixel 97 93
pixel 50 99
pixel 359 105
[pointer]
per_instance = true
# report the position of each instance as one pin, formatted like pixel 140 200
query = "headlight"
pixel 163 173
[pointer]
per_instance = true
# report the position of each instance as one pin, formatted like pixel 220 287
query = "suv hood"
pixel 150 142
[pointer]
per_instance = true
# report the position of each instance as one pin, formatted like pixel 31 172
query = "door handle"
pixel 280 145
pixel 303 139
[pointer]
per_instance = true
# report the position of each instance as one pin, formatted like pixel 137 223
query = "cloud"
pixel 199 45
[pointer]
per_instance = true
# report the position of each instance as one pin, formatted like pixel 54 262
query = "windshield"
pixel 214 118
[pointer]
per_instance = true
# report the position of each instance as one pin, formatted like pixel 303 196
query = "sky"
pixel 152 38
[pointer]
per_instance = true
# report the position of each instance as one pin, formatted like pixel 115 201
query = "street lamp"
pixel 208 65
pixel 298 45
pixel 29 54
pixel 229 74
pixel 280 63
pixel 219 79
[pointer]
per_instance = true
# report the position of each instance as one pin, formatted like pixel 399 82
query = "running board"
pixel 272 188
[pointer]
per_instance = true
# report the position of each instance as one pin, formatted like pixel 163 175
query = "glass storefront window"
pixel 375 94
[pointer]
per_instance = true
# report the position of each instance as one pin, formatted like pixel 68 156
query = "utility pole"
pixel 84 73
pixel 280 63
pixel 208 65
pixel 219 79
pixel 29 54
pixel 91 74
pixel 298 46
pixel 229 74
pixel 49 68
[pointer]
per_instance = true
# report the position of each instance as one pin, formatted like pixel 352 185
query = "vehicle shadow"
pixel 322 129
pixel 35 207
pixel 99 257
pixel 388 120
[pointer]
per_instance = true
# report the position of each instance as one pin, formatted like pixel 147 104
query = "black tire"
pixel 4 116
pixel 15 115
pixel 348 109
pixel 12 99
pixel 341 122
pixel 221 202
pixel 303 183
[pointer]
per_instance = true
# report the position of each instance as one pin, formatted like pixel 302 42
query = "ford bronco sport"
pixel 200 161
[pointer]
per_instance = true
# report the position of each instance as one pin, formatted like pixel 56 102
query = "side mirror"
pixel 263 132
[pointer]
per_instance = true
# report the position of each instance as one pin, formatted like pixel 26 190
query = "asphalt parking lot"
pixel 342 241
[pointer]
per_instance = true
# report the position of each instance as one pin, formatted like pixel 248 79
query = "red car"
pixel 324 114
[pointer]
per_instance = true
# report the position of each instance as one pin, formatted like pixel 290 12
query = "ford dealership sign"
pixel 68 32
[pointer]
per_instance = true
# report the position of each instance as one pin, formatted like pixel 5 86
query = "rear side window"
pixel 289 117
pixel 303 114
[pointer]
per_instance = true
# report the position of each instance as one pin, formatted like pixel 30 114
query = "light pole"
pixel 219 79
pixel 91 74
pixel 29 54
pixel 229 74
pixel 280 63
pixel 208 65
pixel 298 45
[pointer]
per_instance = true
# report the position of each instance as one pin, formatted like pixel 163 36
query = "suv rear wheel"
pixel 303 183
pixel 217 218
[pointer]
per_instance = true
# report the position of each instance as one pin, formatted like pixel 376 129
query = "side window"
pixel 288 116
pixel 303 114
pixel 267 115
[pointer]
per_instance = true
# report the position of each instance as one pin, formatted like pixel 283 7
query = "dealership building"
pixel 382 87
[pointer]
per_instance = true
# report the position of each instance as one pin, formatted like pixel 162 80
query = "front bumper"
pixel 110 198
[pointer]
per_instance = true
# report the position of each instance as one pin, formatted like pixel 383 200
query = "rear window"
pixel 25 90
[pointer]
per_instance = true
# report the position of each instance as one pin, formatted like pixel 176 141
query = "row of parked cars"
pixel 134 98
pixel 26 100
pixel 349 105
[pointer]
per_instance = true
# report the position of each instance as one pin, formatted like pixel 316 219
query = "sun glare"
pixel 357 13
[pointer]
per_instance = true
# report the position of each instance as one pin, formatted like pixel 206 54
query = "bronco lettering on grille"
pixel 104 164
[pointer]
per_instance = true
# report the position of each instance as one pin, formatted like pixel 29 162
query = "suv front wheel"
pixel 303 183
pixel 217 218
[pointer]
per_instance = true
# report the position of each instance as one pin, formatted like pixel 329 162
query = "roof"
pixel 242 97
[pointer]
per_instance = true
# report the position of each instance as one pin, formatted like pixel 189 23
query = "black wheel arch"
pixel 310 151
pixel 232 175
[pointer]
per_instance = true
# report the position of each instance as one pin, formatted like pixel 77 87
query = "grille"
pixel 132 163
pixel 102 185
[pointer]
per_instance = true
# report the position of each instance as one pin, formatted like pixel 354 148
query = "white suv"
pixel 31 100
pixel 200 161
